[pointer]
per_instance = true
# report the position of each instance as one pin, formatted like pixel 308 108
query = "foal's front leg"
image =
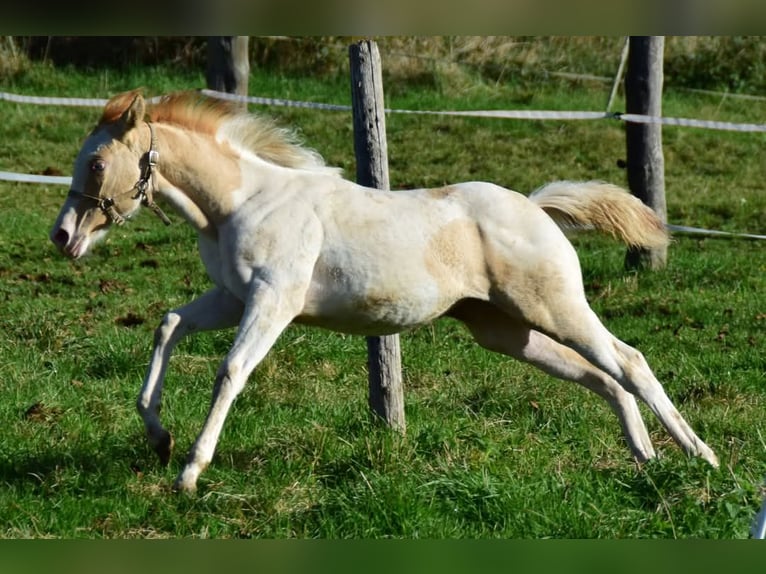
pixel 216 309
pixel 268 312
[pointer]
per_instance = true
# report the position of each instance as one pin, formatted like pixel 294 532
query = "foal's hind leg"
pixel 577 327
pixel 634 374
pixel 215 309
pixel 498 332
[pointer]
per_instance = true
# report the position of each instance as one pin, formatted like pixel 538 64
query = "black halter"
pixel 141 187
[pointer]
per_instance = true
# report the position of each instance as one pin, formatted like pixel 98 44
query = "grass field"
pixel 494 449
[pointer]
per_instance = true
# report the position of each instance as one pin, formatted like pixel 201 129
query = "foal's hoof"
pixel 184 484
pixel 707 454
pixel 164 448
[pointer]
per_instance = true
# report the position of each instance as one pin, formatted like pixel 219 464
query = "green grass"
pixel 493 448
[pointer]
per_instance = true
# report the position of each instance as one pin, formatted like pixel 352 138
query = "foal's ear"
pixel 134 114
pixel 124 110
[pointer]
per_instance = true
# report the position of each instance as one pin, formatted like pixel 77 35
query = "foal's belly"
pixel 357 325
pixel 376 311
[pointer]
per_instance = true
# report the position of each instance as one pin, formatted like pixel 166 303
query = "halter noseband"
pixel 142 187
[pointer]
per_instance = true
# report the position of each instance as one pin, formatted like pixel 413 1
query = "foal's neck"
pixel 198 175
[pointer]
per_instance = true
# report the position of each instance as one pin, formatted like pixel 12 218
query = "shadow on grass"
pixel 90 464
pixel 688 498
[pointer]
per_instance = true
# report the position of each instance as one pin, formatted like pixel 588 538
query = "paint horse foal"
pixel 286 239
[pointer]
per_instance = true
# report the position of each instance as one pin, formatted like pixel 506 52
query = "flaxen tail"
pixel 603 207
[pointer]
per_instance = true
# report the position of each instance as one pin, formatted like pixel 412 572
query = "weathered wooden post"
pixel 645 161
pixel 228 65
pixel 386 396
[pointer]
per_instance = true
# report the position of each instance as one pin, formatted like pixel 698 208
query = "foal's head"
pixel 107 176
pixel 112 174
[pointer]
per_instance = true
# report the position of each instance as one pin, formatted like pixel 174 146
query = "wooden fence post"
pixel 386 396
pixel 228 65
pixel 645 161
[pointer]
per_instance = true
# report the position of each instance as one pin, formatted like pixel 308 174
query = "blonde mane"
pixel 202 114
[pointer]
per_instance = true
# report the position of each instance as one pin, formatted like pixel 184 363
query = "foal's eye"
pixel 97 165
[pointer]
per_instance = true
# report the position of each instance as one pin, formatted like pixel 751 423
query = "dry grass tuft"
pixel 12 59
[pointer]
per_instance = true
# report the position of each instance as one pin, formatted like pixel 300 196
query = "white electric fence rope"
pixel 510 114
pixel 506 114
pixel 56 101
pixel 32 178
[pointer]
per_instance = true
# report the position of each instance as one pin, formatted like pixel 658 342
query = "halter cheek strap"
pixel 145 191
pixel 141 187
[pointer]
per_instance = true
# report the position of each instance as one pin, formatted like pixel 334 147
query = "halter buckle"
pixel 106 204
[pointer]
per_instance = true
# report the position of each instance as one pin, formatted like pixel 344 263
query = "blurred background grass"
pixel 727 63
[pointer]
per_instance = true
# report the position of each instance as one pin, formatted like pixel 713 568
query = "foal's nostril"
pixel 61 237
